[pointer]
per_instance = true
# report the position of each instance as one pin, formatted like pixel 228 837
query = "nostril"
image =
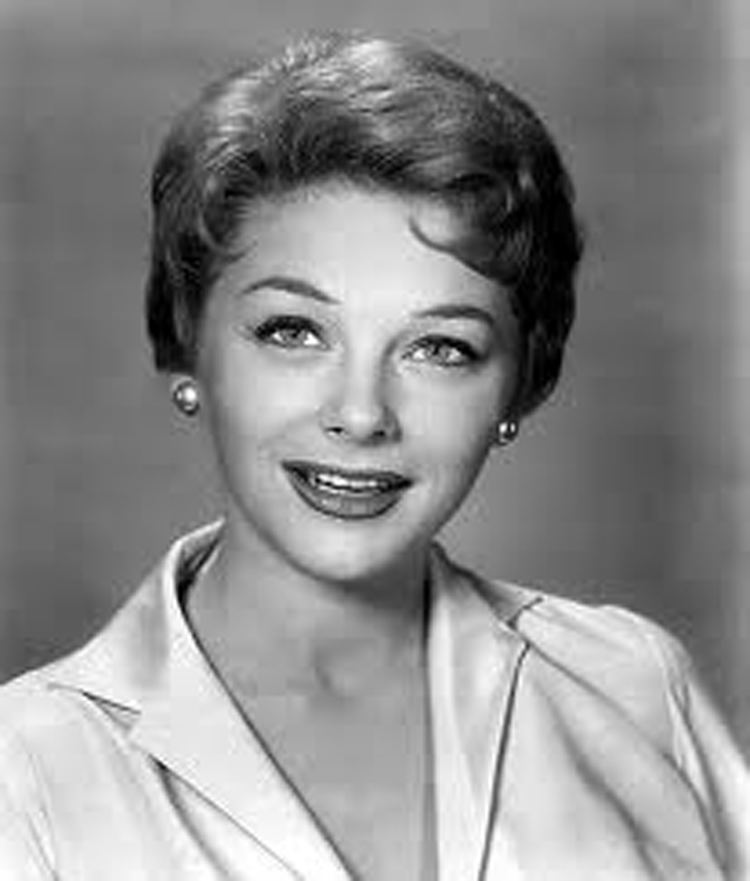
pixel 380 432
pixel 359 427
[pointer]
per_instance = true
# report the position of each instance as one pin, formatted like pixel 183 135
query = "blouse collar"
pixel 148 663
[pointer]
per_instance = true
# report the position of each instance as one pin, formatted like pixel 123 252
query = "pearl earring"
pixel 506 432
pixel 185 397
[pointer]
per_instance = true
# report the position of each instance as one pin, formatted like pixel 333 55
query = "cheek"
pixel 455 434
pixel 247 400
pixel 460 418
pixel 453 447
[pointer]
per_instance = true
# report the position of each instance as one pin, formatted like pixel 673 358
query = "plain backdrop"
pixel 627 488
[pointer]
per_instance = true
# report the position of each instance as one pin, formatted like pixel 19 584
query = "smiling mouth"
pixel 346 494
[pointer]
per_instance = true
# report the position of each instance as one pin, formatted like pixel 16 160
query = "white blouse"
pixel 569 743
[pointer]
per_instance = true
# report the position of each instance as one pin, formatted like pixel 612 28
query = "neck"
pixel 271 628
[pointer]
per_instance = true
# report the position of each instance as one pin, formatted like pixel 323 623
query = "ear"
pixel 514 410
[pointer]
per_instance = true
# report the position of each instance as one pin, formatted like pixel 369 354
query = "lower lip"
pixel 345 505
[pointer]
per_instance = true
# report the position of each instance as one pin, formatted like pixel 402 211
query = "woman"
pixel 361 280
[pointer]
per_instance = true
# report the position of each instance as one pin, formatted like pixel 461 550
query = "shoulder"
pixel 49 727
pixel 611 632
pixel 31 720
pixel 26 696
pixel 34 716
pixel 622 661
pixel 579 632
pixel 42 752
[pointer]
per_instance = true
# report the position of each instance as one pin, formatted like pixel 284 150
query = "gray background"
pixel 630 487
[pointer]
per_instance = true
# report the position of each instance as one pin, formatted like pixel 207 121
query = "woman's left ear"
pixel 509 423
pixel 185 395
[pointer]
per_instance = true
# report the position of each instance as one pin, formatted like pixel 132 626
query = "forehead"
pixel 358 244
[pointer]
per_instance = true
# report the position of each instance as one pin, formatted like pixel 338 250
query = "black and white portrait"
pixel 374 451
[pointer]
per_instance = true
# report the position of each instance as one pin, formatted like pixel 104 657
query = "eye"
pixel 290 332
pixel 444 352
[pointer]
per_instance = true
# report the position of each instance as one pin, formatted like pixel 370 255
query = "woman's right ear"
pixel 185 395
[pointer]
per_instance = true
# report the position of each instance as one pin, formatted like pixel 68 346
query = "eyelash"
pixel 467 355
pixel 268 333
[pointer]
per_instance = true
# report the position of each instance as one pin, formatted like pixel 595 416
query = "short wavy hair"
pixel 395 115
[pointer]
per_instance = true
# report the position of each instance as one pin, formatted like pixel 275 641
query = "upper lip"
pixel 390 478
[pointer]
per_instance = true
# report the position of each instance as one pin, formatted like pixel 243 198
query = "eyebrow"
pixel 289 285
pixel 458 311
pixel 300 287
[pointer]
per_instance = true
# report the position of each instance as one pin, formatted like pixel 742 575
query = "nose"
pixel 360 408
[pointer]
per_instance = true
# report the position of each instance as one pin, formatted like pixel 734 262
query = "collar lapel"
pixel 474 657
pixel 194 729
pixel 147 661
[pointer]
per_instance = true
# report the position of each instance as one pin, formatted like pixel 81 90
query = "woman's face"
pixel 352 377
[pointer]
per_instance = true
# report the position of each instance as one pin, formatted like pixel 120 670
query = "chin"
pixel 349 553
pixel 346 557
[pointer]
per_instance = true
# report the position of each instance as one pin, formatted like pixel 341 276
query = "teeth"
pixel 337 482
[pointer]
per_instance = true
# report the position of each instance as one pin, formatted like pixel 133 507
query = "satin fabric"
pixel 570 742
